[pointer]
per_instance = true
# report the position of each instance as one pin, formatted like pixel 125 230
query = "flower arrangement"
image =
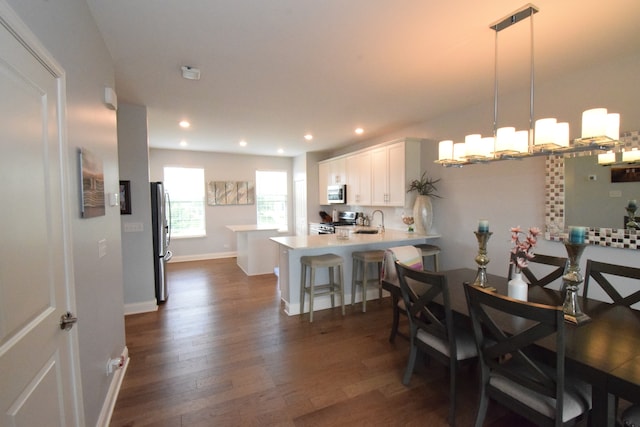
pixel 425 186
pixel 523 244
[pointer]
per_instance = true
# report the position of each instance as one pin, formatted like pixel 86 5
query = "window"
pixel 186 191
pixel 271 198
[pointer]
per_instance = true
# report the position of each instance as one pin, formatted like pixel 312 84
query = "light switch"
pixel 133 227
pixel 102 248
pixel 113 199
pixel 615 193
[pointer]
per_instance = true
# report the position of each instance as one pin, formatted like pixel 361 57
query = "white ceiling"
pixel 274 70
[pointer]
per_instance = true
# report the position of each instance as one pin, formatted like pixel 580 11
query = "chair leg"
pixel 452 393
pixel 410 364
pixel 483 402
pixel 332 286
pixel 379 284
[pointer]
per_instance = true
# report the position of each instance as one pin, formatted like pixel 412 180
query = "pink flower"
pixel 522 250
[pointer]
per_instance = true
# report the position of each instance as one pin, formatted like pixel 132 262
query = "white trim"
pixel 140 307
pixel 104 418
pixel 202 257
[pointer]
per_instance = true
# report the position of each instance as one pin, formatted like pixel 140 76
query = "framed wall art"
pixel 125 197
pixel 91 184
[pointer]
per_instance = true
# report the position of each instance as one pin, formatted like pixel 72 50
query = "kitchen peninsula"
pixel 255 253
pixel 291 248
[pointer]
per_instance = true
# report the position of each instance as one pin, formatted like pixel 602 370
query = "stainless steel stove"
pixel 344 219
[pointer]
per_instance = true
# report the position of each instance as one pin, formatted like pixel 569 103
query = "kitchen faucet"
pixel 382 215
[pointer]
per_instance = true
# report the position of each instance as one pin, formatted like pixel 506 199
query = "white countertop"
pixel 252 227
pixel 332 240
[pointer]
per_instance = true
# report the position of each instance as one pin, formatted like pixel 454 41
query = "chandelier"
pixel 546 136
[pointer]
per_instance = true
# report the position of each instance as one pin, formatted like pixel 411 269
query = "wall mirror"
pixel 580 192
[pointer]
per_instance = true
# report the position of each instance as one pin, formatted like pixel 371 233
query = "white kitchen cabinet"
pixel 330 172
pixel 358 168
pixel 393 167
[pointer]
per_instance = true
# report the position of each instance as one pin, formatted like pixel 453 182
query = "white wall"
pixel 67 30
pixel 137 247
pixel 219 241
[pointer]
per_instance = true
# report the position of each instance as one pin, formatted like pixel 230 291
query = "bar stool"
pixel 312 262
pixel 362 262
pixel 429 251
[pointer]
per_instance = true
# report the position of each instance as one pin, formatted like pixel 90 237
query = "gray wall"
pixel 67 30
pixel 137 248
pixel 219 241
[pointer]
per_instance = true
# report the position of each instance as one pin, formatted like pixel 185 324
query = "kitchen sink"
pixel 366 231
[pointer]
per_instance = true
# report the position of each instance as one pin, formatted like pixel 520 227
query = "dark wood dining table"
pixel 604 352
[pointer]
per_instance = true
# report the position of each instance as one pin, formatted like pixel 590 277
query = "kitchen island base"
pixel 292 248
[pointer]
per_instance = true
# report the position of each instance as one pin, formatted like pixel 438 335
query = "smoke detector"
pixel 190 73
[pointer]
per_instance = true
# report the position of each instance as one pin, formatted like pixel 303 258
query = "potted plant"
pixel 425 186
pixel 422 208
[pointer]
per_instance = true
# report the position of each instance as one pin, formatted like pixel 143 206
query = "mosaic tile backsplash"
pixel 554 204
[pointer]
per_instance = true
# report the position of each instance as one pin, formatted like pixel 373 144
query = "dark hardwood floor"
pixel 221 352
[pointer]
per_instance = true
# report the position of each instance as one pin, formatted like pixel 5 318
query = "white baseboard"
pixel 203 257
pixel 140 307
pixel 104 419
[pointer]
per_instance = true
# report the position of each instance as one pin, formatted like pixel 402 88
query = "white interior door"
pixel 38 360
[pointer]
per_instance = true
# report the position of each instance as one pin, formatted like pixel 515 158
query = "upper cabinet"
pixel 377 176
pixel 359 179
pixel 330 172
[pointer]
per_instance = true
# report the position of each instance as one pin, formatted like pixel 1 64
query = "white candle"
pixel 545 131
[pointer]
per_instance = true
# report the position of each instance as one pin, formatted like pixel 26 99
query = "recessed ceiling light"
pixel 359 131
pixel 308 137
pixel 243 143
pixel 183 143
pixel 184 124
pixel 280 151
pixel 190 73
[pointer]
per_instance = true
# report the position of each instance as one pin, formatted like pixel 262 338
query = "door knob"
pixel 67 321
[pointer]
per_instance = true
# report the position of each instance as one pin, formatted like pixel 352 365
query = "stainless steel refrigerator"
pixel 161 225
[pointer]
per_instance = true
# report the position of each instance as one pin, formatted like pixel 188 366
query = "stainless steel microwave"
pixel 337 194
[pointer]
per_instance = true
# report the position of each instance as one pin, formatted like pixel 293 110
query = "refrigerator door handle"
pixel 168 208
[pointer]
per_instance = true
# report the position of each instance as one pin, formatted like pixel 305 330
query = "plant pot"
pixel 423 214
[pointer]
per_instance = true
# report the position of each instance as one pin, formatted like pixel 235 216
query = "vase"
pixel 422 214
pixel 517 288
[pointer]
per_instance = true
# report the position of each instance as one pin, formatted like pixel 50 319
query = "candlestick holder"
pixel 571 281
pixel 482 260
pixel 631 213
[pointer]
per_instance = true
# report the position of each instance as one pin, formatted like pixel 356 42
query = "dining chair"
pixel 536 279
pixel 408 255
pixel 431 324
pixel 506 331
pixel 597 270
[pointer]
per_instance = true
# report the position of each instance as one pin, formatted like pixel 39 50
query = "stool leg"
pixel 365 281
pixel 341 278
pixel 436 263
pixel 332 286
pixel 303 285
pixel 311 293
pixel 379 284
pixel 354 278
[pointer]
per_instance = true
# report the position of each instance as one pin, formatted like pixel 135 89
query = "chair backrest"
pixel 419 290
pixel 505 330
pixel 556 273
pixel 597 270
